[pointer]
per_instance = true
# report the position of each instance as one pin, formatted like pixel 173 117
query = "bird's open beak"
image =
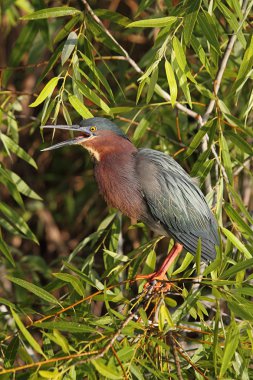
pixel 84 134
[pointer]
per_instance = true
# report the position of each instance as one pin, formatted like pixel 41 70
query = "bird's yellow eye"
pixel 93 129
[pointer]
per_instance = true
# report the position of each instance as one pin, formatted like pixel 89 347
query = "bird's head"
pixel 90 132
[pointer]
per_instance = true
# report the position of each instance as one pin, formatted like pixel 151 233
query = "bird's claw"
pixel 155 284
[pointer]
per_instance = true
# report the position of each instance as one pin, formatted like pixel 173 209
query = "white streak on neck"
pixel 93 152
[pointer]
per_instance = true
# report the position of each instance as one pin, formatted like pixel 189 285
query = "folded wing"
pixel 176 202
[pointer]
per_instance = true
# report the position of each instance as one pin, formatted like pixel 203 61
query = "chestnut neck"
pixel 107 144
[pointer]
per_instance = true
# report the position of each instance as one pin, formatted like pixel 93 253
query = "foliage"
pixel 176 76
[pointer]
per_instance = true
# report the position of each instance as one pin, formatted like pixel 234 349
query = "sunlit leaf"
pixel 68 47
pixel 172 82
pixel 46 92
pixel 80 107
pixel 153 22
pixel 52 12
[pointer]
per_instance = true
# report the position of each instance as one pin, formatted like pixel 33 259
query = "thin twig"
pixel 112 341
pixel 175 354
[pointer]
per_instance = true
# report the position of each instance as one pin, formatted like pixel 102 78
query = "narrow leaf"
pixel 52 12
pixel 153 22
pixel 172 82
pixel 226 158
pixel 38 291
pixel 208 28
pixel 246 264
pixel 17 220
pixel 13 147
pixel 237 243
pixel 72 327
pixel 27 334
pixel 22 186
pixel 152 83
pixel 6 252
pixel 46 92
pixel 231 343
pixel 190 19
pixel 68 47
pixel 93 97
pixel 79 107
pixel 106 371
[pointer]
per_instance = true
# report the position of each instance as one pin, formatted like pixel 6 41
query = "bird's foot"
pixel 155 282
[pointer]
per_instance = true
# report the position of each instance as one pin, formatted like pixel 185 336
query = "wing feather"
pixel 176 202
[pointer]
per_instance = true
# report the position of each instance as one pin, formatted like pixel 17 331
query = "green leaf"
pixel 245 67
pixel 152 83
pixel 51 63
pixel 22 46
pixel 105 370
pixel 11 352
pixel 236 242
pixel 98 74
pixel 231 344
pixel 197 47
pixel 237 219
pixel 140 130
pixel 187 260
pixel 52 12
pixel 88 93
pixel 111 16
pixel 226 158
pixel 72 327
pixel 18 221
pixel 74 281
pixel 5 251
pixel 27 334
pixel 13 147
pixel 66 29
pixel 46 92
pixel 240 142
pixel 240 203
pixel 6 181
pixel 197 139
pixel 246 264
pixel 153 22
pixel 190 18
pixel 22 186
pixel 231 19
pixel 164 316
pixel 68 47
pixel 181 58
pixel 80 107
pixel 172 82
pixel 207 26
pixel 38 291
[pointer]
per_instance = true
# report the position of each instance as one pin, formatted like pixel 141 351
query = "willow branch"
pixel 202 120
pixel 135 66
pixel 222 67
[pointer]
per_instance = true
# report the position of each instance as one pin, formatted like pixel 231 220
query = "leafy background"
pixel 177 77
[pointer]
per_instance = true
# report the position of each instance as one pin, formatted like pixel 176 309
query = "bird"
pixel 149 186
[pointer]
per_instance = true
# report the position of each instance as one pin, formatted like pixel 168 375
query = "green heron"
pixel 149 186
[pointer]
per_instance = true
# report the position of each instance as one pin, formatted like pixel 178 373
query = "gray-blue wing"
pixel 176 202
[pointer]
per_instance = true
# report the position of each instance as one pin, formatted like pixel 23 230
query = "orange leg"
pixel 160 274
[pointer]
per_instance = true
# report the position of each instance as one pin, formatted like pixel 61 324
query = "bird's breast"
pixel 118 183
